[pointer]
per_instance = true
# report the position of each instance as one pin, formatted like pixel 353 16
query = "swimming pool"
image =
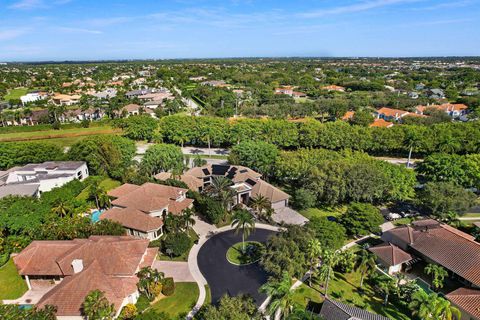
pixel 95 216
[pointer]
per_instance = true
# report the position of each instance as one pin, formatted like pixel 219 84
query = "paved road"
pixel 224 277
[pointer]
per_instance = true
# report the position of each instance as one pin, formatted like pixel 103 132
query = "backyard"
pixel 56 134
pixel 12 286
pixel 323 212
pixel 15 94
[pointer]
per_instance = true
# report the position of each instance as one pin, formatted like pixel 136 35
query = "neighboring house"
pixel 381 123
pixel 288 90
pixel 77 115
pixel 45 176
pixel 199 78
pixel 391 257
pixel 248 184
pixel 141 209
pixel 215 83
pixel 390 114
pixel 132 109
pixel 413 95
pixel 33 96
pixel 136 93
pixel 71 269
pixel 348 115
pixel 439 243
pixel 468 301
pixel 454 110
pixel 105 94
pixel 65 99
pixel 335 310
pixel 333 88
pixel 436 94
pixel 193 183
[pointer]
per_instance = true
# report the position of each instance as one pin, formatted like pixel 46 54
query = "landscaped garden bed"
pixel 245 253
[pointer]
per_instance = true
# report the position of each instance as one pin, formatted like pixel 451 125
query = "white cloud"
pixel 352 8
pixel 9 34
pixel 28 4
pixel 78 30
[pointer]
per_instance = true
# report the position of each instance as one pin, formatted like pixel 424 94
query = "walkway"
pixel 178 270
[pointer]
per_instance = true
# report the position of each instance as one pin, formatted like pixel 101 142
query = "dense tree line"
pixel 454 138
pixel 20 153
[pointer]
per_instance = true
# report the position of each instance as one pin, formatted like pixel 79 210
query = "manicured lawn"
pixel 181 302
pixel 12 286
pixel 53 134
pixel 323 212
pixel 304 295
pixel 236 256
pixel 16 93
pixel 107 184
pixel 208 295
pixel 344 287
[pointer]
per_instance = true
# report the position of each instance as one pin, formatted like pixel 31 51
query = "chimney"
pixel 77 265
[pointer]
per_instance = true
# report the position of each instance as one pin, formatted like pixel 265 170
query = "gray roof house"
pixel 334 310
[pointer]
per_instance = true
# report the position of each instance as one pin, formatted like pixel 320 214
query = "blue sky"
pixel 32 30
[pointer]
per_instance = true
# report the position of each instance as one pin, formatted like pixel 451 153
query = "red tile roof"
pixel 389 112
pixel 133 219
pixel 381 123
pixel 466 299
pixel 390 254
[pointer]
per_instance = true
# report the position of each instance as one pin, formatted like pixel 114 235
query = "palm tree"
pixel 412 139
pixel 386 285
pixel 280 294
pixel 62 209
pixel 260 204
pixel 149 278
pixel 173 223
pixel 94 192
pixel 104 200
pixel 329 261
pixel 314 249
pixel 97 307
pixel 432 307
pixel 243 220
pixel 187 217
pixel 220 188
pixel 438 274
pixel 366 264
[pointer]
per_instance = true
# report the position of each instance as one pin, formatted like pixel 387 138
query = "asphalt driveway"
pixel 226 278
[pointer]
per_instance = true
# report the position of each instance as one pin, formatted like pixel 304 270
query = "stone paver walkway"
pixel 178 270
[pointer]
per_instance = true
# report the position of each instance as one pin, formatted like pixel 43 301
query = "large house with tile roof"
pixel 454 110
pixel 336 310
pixel 67 271
pixel 468 302
pixel 247 184
pixel 141 209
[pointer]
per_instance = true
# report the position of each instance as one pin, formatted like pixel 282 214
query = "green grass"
pixel 344 287
pixel 208 295
pixel 107 184
pixel 12 286
pixel 54 134
pixel 16 93
pixel 323 212
pixel 236 256
pixel 181 302
pixel 305 294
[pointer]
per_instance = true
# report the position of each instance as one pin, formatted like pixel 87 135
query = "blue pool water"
pixel 96 215
pixel 25 306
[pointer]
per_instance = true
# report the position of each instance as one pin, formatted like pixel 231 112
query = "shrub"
pixel 210 209
pixel 142 303
pixel 168 288
pixel 128 312
pixel 304 199
pixel 155 244
pixel 177 243
pixel 4 258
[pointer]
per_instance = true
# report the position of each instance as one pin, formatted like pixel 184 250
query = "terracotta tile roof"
pixel 348 115
pixel 192 182
pixel 392 112
pixel 149 197
pixel 390 254
pixel 333 87
pixel 446 246
pixel 381 123
pixel 268 191
pixel 123 190
pixel 446 107
pixel 149 258
pixel 466 299
pixel 131 107
pixel 69 295
pixel 133 219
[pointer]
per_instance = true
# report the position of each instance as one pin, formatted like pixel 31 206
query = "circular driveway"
pixel 226 278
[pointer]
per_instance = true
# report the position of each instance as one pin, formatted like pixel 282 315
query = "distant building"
pixel 454 110
pixel 33 96
pixel 333 88
pixel 288 90
pixel 65 99
pixel 43 177
pixel 390 114
pixel 436 94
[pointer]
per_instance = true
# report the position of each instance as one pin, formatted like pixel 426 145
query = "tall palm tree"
pixel 220 188
pixel 432 307
pixel 97 307
pixel 260 204
pixel 62 209
pixel 243 220
pixel 280 294
pixel 94 192
pixel 149 278
pixel 438 274
pixel 187 217
pixel 366 264
pixel 314 249
pixel 386 285
pixel 329 261
pixel 411 141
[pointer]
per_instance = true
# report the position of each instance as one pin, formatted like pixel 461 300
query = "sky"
pixel 39 30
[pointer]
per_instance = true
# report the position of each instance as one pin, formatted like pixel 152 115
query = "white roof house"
pixel 46 176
